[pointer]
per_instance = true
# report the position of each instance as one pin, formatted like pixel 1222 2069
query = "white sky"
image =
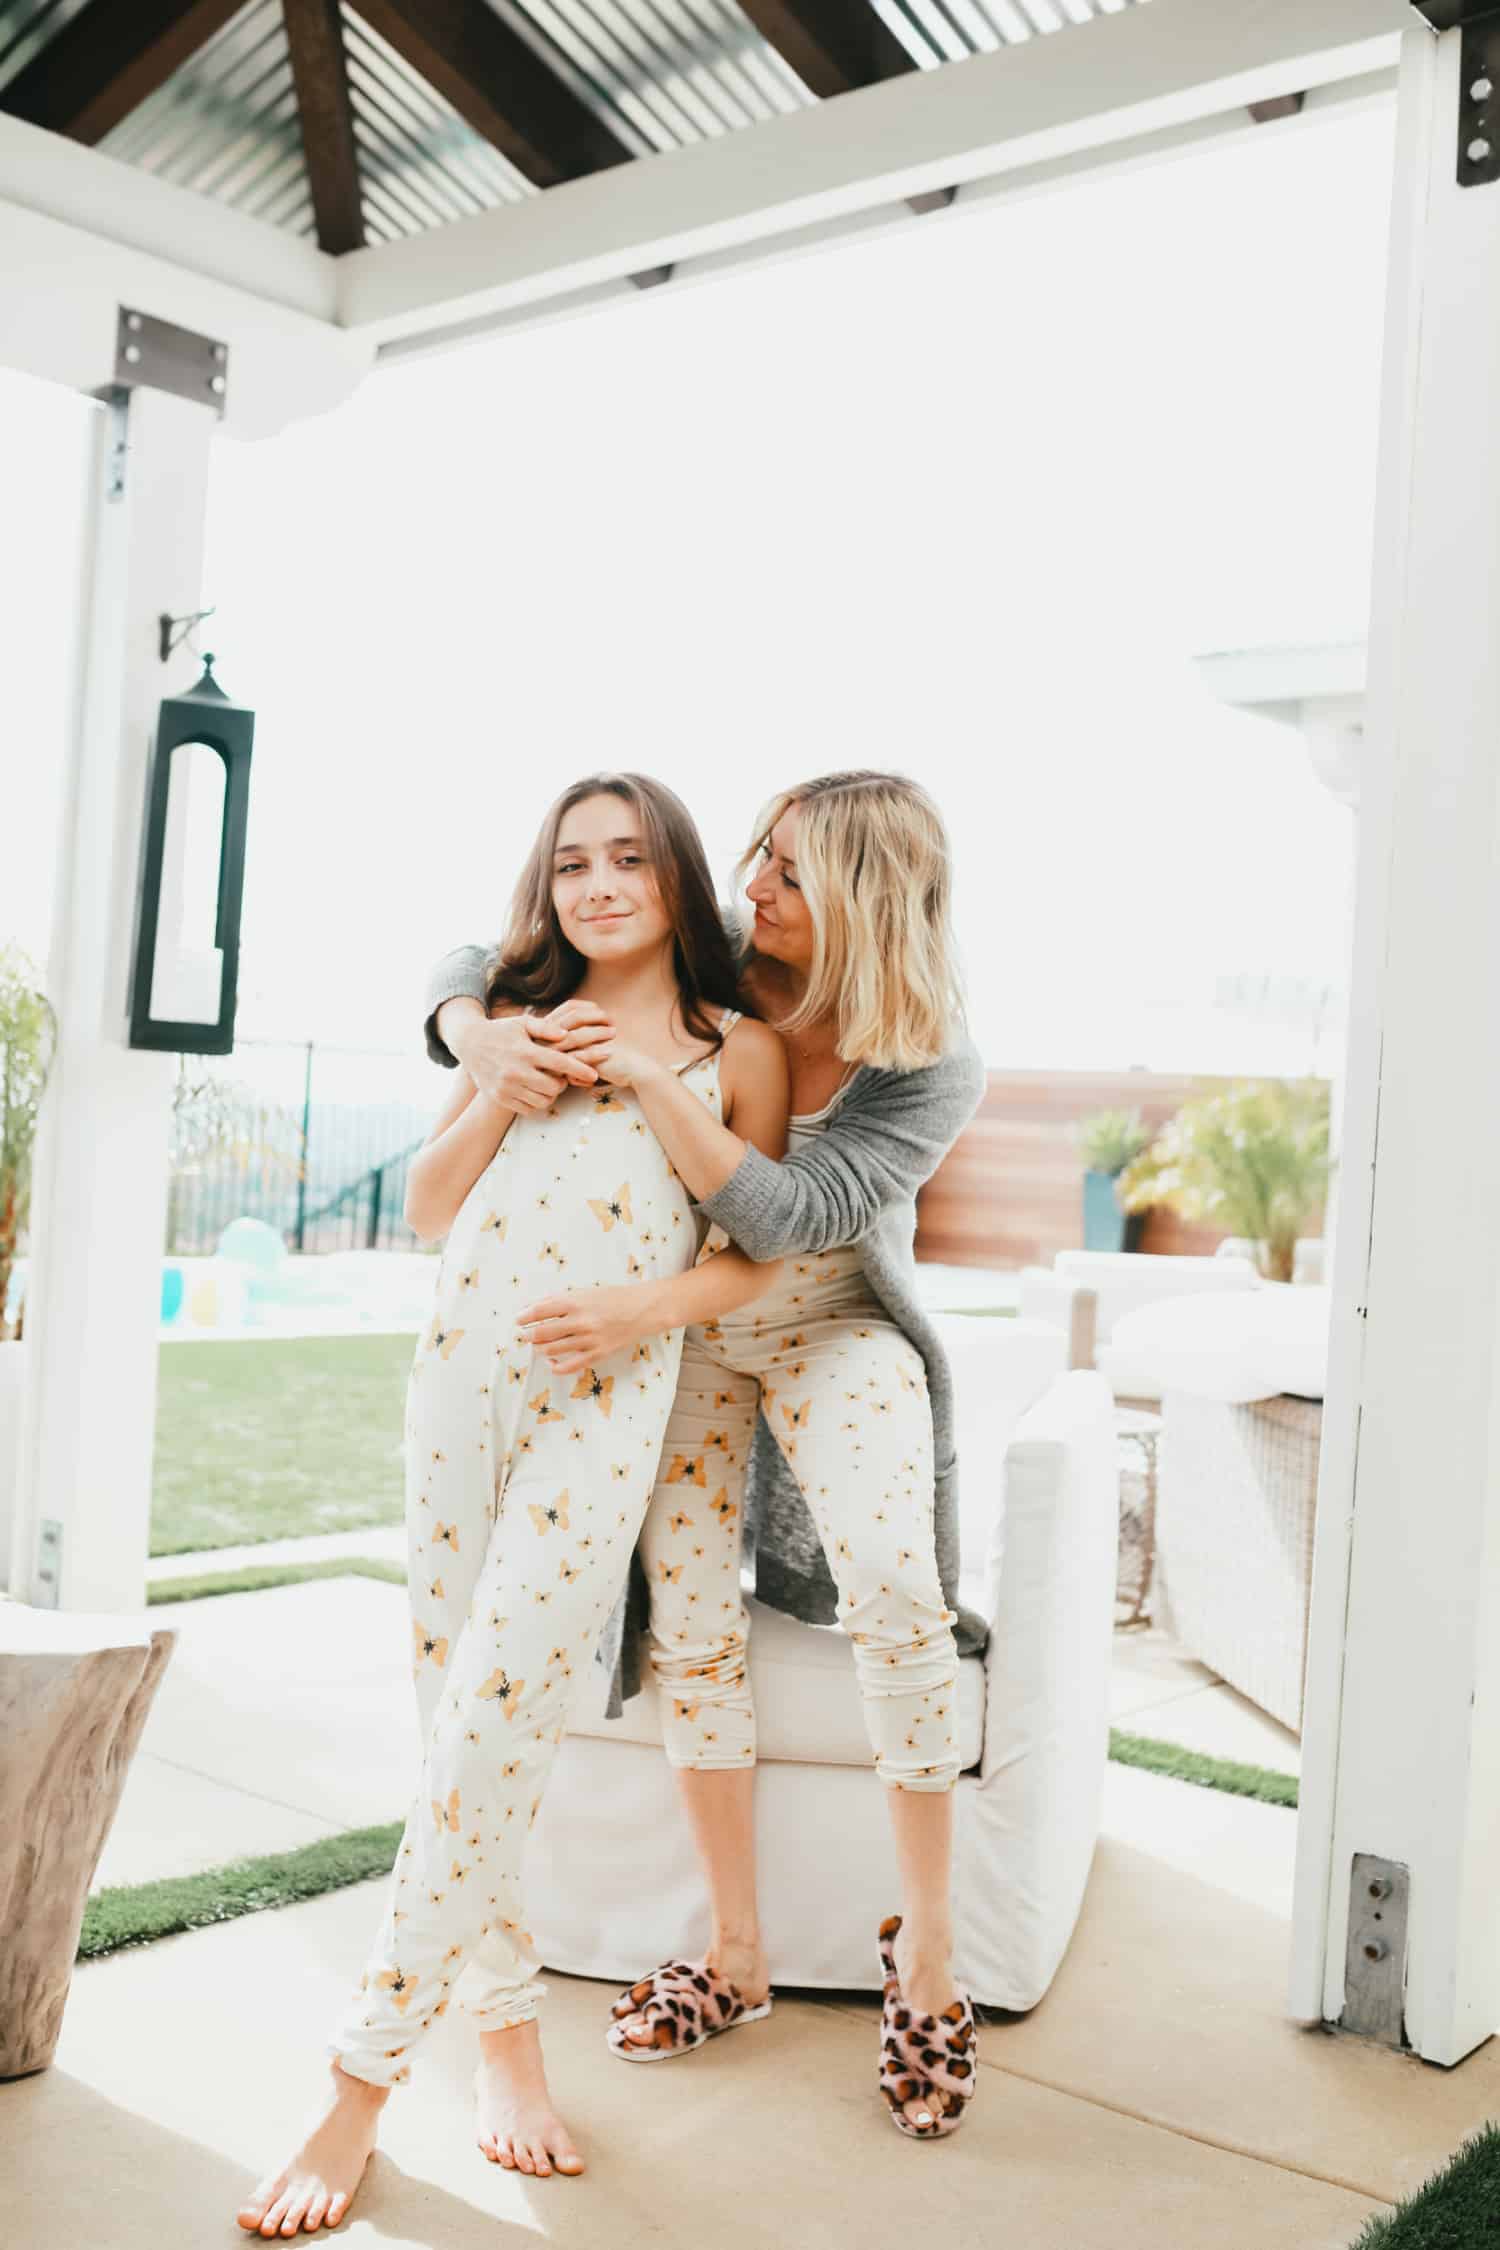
pixel 964 502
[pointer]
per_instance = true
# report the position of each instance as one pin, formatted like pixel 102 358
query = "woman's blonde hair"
pixel 873 862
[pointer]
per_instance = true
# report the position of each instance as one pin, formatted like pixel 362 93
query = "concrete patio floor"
pixel 1157 2097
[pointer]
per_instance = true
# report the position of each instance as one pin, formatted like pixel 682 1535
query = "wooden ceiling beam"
pixel 832 45
pixel 315 37
pixel 105 62
pixel 499 85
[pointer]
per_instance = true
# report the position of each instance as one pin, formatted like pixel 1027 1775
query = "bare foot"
pixel 318 2185
pixel 925 1975
pixel 740 1961
pixel 515 2123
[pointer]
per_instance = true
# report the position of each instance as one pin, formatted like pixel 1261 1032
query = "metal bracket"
pixel 115 400
pixel 1479 83
pixel 1375 1953
pixel 158 354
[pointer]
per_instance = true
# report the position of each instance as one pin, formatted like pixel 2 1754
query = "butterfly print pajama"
pixel 525 1492
pixel 845 1394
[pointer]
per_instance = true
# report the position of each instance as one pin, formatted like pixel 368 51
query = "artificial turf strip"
pixel 1457 2209
pixel 257 1578
pixel 1177 1764
pixel 135 1913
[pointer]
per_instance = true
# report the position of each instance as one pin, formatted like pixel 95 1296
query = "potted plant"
pixel 1251 1158
pixel 28 1034
pixel 1109 1140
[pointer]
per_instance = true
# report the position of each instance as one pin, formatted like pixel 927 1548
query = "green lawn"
pixel 277 1439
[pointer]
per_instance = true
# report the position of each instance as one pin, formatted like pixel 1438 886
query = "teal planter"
pixel 1105 1225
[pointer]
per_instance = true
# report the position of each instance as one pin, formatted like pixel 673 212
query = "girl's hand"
pixel 579 1029
pixel 576 1332
pixel 622 1065
pixel 517 1067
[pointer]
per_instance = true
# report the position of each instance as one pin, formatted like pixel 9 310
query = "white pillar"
pixel 1401 1749
pixel 99 1193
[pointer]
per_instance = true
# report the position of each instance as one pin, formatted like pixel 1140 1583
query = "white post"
pixel 99 1197
pixel 1401 1752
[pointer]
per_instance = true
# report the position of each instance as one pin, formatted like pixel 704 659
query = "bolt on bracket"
pixel 1375 1951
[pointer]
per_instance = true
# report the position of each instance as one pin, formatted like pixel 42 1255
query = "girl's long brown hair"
pixel 535 965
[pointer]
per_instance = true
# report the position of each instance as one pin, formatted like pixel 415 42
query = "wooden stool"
pixel 74 1694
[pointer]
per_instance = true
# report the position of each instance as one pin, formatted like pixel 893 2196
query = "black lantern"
pixel 185 973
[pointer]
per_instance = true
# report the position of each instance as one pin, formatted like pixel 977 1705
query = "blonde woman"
pixel 836 1377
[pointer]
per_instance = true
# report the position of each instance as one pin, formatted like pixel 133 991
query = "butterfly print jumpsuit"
pixel 525 1493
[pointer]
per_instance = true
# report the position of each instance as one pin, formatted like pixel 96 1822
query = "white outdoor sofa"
pixel 612 1882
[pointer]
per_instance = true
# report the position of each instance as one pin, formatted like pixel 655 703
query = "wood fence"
pixel 1011 1191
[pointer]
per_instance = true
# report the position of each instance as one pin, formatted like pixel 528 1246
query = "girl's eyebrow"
pixel 615 844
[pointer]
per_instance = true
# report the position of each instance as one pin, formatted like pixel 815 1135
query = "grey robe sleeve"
pixel 459 975
pixel 887 1137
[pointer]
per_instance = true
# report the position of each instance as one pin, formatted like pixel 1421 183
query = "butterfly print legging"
pixel 845 1394
pixel 509 1597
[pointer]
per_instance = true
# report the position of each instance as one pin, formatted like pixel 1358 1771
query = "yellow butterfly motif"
pixel 688 1711
pixel 398 1984
pixel 445 1535
pixel 599 1389
pixel 557 1513
pixel 469 1280
pixel 494 1223
pixel 448 1817
pixel 797 1417
pixel 669 1574
pixel 679 1522
pixel 498 1688
pixel 686 1472
pixel 542 1407
pixel 566 1573
pixel 428 1644
pixel 444 1340
pixel 724 1508
pixel 612 1209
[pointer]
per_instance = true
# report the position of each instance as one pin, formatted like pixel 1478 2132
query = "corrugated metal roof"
pixel 420 165
pixel 226 124
pixel 660 73
pixel 663 73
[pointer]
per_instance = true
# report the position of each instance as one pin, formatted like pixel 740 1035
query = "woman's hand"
pixel 524 1062
pixel 579 1331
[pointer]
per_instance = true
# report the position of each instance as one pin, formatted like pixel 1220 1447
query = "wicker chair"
pixel 1236 1504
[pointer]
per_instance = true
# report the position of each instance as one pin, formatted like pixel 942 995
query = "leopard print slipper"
pixel 923 2058
pixel 685 2005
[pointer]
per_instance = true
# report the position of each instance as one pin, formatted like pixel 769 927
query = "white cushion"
pixel 1238 1347
pixel 807 1701
pixel 1126 1279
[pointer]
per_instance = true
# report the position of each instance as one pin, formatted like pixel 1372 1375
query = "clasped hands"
pixel 524 1063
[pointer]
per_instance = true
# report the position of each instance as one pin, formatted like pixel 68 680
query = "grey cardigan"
pixel 855 1184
